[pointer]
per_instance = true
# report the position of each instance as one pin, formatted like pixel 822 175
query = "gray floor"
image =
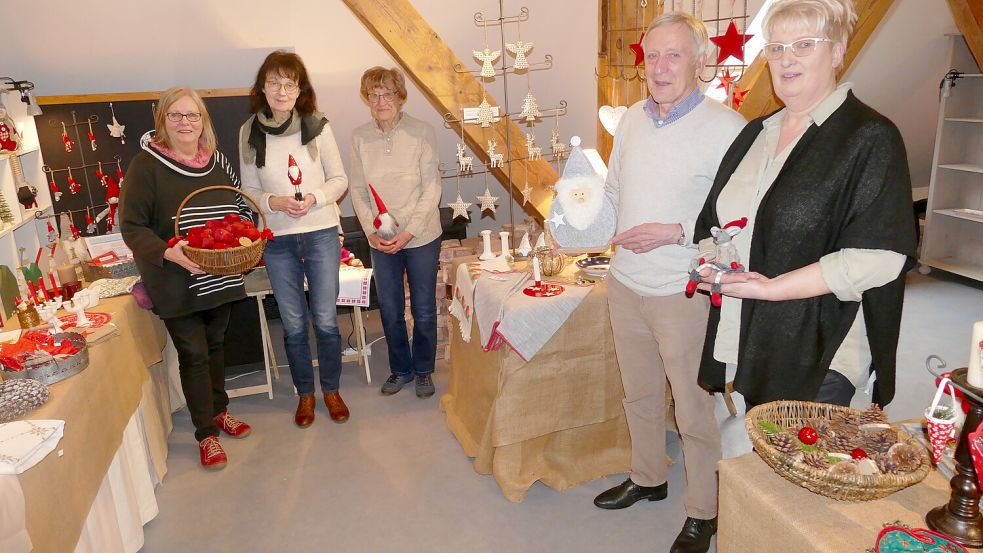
pixel 394 479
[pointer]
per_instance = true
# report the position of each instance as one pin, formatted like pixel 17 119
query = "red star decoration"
pixel 738 96
pixel 731 43
pixel 637 48
pixel 727 80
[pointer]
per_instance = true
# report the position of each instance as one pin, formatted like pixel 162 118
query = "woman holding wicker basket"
pixel 179 158
pixel 290 162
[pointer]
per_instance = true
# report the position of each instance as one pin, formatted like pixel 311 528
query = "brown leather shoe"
pixel 336 407
pixel 305 411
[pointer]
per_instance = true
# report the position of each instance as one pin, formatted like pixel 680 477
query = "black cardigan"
pixel 844 185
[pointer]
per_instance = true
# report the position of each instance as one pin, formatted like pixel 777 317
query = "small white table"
pixel 354 293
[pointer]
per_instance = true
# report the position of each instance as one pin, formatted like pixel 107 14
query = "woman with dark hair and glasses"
pixel 824 185
pixel 180 157
pixel 290 162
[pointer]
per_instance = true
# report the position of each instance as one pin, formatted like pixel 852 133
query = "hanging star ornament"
pixel 526 193
pixel 738 96
pixel 519 49
pixel 460 208
pixel 485 116
pixel 487 201
pixel 730 43
pixel 487 57
pixel 530 110
pixel 637 49
pixel 556 219
pixel 727 80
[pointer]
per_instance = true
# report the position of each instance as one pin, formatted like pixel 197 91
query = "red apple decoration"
pixel 229 232
pixel 808 435
pixel 858 454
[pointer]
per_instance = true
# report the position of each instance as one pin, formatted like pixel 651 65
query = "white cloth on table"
pixel 13 521
pixel 24 444
pixel 528 323
pixel 353 286
pixel 462 304
pixel 491 292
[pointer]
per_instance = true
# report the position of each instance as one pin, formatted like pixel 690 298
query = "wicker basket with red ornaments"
pixel 228 246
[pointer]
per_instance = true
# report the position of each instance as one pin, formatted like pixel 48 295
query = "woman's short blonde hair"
pixel 167 99
pixel 832 19
pixel 386 78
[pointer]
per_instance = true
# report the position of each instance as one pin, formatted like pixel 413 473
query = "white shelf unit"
pixel 26 231
pixel 953 239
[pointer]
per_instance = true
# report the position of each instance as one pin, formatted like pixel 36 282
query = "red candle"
pixel 54 287
pixel 34 292
pixel 47 296
pixel 37 258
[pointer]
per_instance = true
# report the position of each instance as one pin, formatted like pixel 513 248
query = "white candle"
pixel 505 243
pixel 975 373
pixel 535 270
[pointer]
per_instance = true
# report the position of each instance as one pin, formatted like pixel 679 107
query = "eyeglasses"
pixel 801 48
pixel 375 97
pixel 175 117
pixel 289 87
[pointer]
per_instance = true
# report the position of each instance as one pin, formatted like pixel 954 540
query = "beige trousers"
pixel 658 338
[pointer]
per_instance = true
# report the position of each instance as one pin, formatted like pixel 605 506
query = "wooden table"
pixel 558 418
pixel 761 511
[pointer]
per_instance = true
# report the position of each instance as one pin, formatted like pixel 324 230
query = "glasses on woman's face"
pixel 800 48
pixel 176 117
pixel 376 97
pixel 289 87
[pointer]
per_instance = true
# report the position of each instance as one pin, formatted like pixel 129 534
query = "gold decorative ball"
pixel 551 262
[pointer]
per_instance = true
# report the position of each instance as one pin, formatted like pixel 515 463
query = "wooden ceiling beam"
pixel 761 99
pixel 968 15
pixel 430 63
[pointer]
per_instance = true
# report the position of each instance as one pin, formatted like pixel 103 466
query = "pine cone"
pixel 873 414
pixel 844 418
pixel 816 460
pixel 906 456
pixel 821 426
pixel 786 443
pixel 840 443
pixel 885 464
pixel 844 467
pixel 880 441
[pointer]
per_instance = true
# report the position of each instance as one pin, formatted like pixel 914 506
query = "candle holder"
pixel 542 290
pixel 960 518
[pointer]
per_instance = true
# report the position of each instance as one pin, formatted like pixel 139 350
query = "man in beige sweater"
pixel 666 152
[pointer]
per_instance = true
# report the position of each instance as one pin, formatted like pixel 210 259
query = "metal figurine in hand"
pixel 295 176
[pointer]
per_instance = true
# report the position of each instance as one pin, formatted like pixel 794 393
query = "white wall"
pixel 120 46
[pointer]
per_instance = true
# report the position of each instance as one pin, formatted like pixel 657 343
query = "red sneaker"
pixel 213 457
pixel 232 426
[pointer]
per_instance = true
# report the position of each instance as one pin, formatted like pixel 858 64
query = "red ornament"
pixel 727 80
pixel 68 142
pixel 808 435
pixel 738 96
pixel 730 43
pixel 858 454
pixel 637 49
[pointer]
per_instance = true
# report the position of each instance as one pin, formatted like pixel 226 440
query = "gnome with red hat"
pixel 295 176
pixel 385 224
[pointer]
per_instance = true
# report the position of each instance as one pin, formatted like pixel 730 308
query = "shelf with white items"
pixel 953 238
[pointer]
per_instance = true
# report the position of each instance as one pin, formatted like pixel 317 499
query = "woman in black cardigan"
pixel 824 184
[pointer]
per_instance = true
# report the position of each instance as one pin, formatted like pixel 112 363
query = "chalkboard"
pixel 229 108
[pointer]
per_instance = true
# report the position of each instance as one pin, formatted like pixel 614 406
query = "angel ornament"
pixel 494 160
pixel 519 49
pixel 487 58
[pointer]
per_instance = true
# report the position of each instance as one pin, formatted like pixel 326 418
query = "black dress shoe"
pixel 695 536
pixel 627 493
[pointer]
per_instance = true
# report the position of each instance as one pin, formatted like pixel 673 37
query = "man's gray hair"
pixel 695 26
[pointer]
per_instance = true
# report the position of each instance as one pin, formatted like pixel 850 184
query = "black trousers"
pixel 836 389
pixel 199 339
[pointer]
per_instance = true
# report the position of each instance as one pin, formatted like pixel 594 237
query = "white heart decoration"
pixel 610 117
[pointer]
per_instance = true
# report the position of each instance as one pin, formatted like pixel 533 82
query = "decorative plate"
pixel 595 266
pixel 898 539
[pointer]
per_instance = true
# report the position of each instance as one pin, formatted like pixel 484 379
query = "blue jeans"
pixel 288 259
pixel 420 267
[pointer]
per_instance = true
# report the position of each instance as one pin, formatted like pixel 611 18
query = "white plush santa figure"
pixel 384 223
pixel 582 216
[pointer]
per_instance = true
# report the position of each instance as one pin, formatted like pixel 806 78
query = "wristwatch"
pixel 682 236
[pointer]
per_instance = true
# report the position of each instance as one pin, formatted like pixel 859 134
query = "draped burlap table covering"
pixel 96 405
pixel 558 418
pixel 761 511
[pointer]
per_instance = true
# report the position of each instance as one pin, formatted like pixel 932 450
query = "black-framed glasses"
pixel 289 87
pixel 800 48
pixel 375 97
pixel 175 117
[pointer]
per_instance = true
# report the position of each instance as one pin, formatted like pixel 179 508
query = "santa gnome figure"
pixel 112 201
pixel 295 176
pixel 384 223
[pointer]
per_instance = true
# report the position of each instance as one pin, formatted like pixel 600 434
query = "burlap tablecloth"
pixel 558 418
pixel 761 511
pixel 96 406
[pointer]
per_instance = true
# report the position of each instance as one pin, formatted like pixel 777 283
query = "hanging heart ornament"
pixel 610 117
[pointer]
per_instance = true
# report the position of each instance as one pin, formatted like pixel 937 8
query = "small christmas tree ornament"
pixel 385 224
pixel 519 49
pixel 485 115
pixel 73 186
pixel 69 145
pixel 115 129
pixel 6 215
pixel 52 186
pixel 296 177
pixel 92 137
pixel 487 58
pixel 530 108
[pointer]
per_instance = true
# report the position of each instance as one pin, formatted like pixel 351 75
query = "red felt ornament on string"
pixel 92 137
pixel 90 225
pixel 119 173
pixel 75 231
pixel 53 186
pixel 69 145
pixel 73 186
pixel 730 43
pixel 637 49
pixel 100 175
